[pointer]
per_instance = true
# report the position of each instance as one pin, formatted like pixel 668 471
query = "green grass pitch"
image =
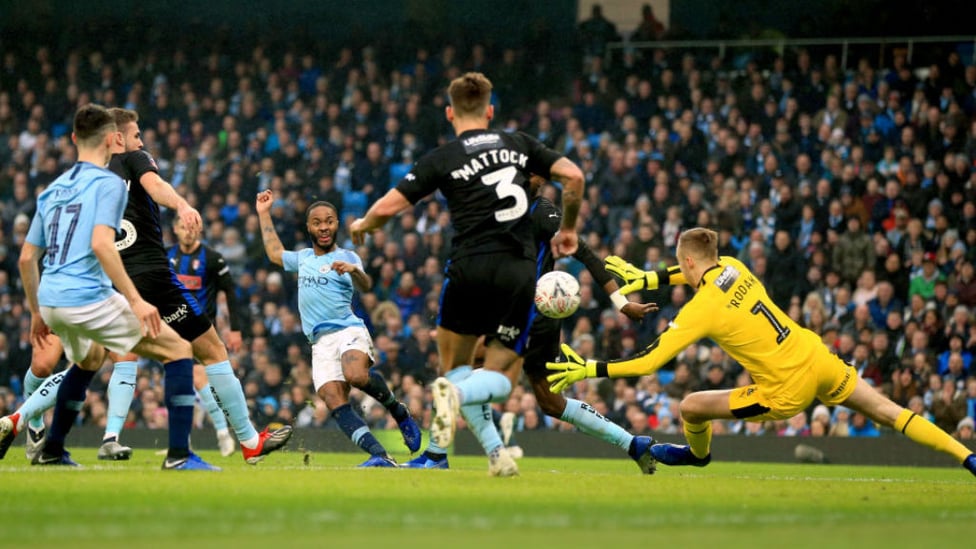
pixel 324 501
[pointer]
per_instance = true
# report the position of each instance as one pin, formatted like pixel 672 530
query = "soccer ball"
pixel 557 294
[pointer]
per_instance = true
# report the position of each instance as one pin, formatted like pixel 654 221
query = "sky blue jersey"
pixel 67 212
pixel 324 296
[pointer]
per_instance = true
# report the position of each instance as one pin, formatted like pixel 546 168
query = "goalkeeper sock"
pixel 70 399
pixel 484 386
pixel 41 400
pixel 455 376
pixel 213 409
pixel 356 429
pixel 230 397
pixel 589 421
pixel 480 422
pixel 121 389
pixel 31 383
pixel 925 433
pixel 699 437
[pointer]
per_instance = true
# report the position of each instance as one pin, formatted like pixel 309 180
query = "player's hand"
pixel 637 311
pixel 39 332
pixel 357 231
pixel 634 278
pixel 264 201
pixel 564 243
pixel 148 317
pixel 571 370
pixel 233 341
pixel 190 218
pixel 343 267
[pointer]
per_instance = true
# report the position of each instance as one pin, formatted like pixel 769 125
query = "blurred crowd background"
pixel 850 190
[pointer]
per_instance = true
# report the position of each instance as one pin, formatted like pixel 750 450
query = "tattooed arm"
pixel 272 244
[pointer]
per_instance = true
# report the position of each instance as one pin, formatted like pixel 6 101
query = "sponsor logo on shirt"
pixel 190 282
pixel 726 279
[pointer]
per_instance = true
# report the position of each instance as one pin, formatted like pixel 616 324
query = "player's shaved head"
pixel 470 94
pixel 92 122
pixel 699 243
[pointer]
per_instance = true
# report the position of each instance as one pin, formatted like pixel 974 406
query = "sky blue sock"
pixel 480 422
pixel 70 399
pixel 588 420
pixel 210 405
pixel 454 376
pixel 121 389
pixel 230 397
pixel 484 386
pixel 43 398
pixel 179 396
pixel 31 383
pixel 356 429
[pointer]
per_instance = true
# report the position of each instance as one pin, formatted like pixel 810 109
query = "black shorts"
pixel 491 295
pixel 176 305
pixel 542 347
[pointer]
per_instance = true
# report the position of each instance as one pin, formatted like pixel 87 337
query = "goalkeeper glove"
pixel 634 278
pixel 573 369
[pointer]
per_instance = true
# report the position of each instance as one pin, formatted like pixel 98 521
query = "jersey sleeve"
pixel 354 258
pixel 110 206
pixel 420 181
pixel 541 158
pixel 35 234
pixel 140 163
pixel 289 260
pixel 693 322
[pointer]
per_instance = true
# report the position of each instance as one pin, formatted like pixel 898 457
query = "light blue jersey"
pixel 324 296
pixel 67 212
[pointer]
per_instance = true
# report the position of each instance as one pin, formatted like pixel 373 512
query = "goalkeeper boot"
pixel 427 460
pixel 191 462
pixel 673 454
pixel 447 406
pixel 501 464
pixel 640 452
pixel 970 463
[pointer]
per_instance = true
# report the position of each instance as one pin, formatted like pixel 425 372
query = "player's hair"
pixel 470 94
pixel 91 123
pixel 123 116
pixel 316 204
pixel 699 242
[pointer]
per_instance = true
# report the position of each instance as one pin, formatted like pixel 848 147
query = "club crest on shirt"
pixel 195 264
pixel 325 268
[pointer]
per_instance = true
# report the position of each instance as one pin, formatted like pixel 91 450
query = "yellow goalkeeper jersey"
pixel 732 308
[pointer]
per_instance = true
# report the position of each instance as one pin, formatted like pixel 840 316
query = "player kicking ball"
pixel 790 363
pixel 342 349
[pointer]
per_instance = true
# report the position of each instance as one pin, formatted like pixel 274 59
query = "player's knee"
pixel 208 348
pixel 552 405
pixel 691 411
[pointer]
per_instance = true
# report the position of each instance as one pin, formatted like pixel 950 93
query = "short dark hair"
pixel 91 123
pixel 319 203
pixel 470 93
pixel 123 116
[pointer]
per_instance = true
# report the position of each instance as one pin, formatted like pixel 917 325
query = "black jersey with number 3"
pixel 140 239
pixel 484 175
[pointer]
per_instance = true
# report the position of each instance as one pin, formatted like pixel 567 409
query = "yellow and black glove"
pixel 634 278
pixel 571 370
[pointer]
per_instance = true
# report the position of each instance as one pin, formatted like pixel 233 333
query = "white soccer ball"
pixel 557 294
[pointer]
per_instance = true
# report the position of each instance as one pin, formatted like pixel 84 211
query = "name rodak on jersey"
pixel 489 158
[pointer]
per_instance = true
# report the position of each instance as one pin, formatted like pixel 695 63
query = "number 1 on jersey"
pixel 781 331
pixel 504 182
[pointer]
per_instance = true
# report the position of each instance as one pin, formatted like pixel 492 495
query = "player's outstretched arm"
pixel 103 246
pixel 272 244
pixel 392 203
pixel 636 279
pixel 633 310
pixel 163 193
pixel 565 241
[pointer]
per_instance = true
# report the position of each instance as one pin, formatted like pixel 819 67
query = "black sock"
pixel 434 456
pixel 71 397
pixel 356 429
pixel 377 388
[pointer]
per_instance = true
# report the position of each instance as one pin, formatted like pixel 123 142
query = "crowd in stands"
pixel 851 193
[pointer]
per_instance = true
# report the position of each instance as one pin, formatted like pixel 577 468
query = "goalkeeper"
pixel 789 364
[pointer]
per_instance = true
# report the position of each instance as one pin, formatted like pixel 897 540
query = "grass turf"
pixel 325 501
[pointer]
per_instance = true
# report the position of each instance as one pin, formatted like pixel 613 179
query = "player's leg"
pixel 332 387
pixel 225 441
pixel 121 391
pixel 40 394
pixel 175 352
pixel 697 412
pixel 356 359
pixel 870 402
pixel 585 418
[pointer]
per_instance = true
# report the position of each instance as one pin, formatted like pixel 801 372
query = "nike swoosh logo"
pixel 553 215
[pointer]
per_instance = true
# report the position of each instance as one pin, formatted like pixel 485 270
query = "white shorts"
pixel 110 323
pixel 327 353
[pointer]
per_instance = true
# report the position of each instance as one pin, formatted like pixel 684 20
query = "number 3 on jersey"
pixel 504 182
